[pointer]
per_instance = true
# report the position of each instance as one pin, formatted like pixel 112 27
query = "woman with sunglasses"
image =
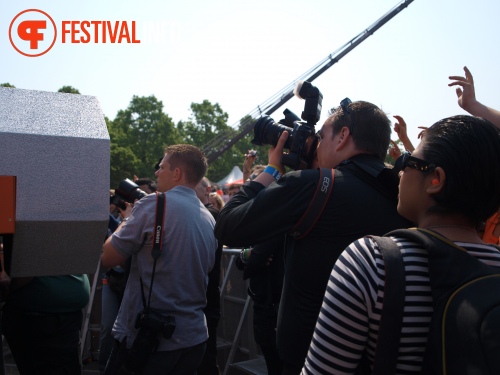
pixel 448 185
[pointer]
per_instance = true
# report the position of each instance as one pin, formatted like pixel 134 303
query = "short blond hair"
pixel 217 200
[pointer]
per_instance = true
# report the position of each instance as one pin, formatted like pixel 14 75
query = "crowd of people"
pixel 319 299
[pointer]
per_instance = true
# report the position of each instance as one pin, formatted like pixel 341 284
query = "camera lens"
pixel 137 194
pixel 129 191
pixel 267 132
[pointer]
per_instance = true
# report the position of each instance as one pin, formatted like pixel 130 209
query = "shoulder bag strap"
pixel 317 205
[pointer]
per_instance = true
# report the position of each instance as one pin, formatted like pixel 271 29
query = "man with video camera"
pixel 161 327
pixel 353 140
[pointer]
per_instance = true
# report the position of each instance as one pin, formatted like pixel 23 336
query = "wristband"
pixel 273 172
pixel 280 170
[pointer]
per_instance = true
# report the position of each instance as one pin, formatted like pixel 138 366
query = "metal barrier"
pixel 235 303
pixel 234 290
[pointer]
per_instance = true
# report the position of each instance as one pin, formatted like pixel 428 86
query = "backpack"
pixel 464 335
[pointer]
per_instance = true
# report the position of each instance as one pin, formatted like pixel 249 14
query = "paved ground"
pixel 11 368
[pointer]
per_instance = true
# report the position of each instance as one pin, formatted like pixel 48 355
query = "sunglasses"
pixel 408 161
pixel 344 104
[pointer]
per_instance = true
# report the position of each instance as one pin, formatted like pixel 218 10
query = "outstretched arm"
pixel 467 98
pixel 402 132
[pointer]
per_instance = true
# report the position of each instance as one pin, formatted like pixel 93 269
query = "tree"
pixel 145 130
pixel 68 90
pixel 6 84
pixel 123 163
pixel 207 122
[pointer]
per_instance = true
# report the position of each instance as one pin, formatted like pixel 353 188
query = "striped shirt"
pixel 350 315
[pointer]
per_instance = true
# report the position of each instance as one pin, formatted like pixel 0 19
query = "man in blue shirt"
pixel 180 273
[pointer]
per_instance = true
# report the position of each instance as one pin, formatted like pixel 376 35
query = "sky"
pixel 239 54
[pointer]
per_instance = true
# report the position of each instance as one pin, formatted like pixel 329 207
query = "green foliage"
pixel 219 168
pixel 144 130
pixel 140 133
pixel 124 164
pixel 68 90
pixel 6 84
pixel 207 122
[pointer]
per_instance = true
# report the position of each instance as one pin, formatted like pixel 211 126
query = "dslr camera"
pixel 128 191
pixel 151 324
pixel 301 154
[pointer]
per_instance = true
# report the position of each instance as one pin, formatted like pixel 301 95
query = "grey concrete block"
pixel 57 145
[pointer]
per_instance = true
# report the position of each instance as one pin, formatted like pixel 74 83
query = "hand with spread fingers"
pixel 466 94
pixel 465 91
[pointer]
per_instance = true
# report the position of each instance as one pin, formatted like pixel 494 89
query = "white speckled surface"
pixel 57 145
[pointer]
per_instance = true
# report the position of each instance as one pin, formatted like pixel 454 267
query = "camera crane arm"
pixel 225 140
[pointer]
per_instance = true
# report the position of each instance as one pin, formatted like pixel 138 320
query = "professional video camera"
pixel 300 155
pixel 128 191
pixel 151 324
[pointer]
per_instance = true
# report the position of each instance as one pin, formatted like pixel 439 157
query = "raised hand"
pixel 466 93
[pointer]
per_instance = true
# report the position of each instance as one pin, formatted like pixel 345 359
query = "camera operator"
pixel 169 337
pixel 353 140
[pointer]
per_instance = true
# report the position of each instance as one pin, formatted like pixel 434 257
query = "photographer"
pixel 353 140
pixel 161 326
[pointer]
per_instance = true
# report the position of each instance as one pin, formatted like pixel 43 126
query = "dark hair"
pixel 147 181
pixel 369 126
pixel 192 160
pixel 468 150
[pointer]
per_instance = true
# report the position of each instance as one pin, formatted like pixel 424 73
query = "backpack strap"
pixel 460 266
pixel 450 267
pixel 391 320
pixel 317 205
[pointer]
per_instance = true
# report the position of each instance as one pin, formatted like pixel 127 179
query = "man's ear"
pixel 343 136
pixel 177 174
pixel 436 181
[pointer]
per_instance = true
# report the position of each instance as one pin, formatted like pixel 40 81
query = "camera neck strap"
pixel 157 243
pixel 317 205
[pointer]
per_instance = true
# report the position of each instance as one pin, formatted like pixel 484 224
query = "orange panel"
pixel 7 204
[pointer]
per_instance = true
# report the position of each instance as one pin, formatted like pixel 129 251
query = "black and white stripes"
pixel 349 320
